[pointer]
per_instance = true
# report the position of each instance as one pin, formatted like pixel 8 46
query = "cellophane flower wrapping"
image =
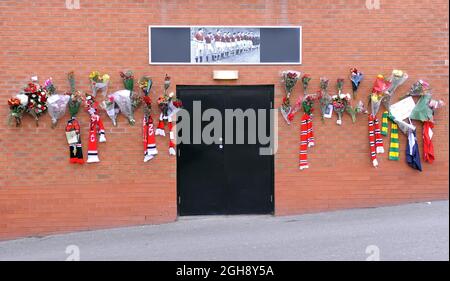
pixel 37 100
pixel 99 82
pixel 353 111
pixel 396 79
pixel 340 103
pixel 111 108
pixel 57 107
pixel 375 102
pixel 173 107
pixel 324 97
pixel 356 77
pixel 419 88
pixel 289 79
pixel 123 99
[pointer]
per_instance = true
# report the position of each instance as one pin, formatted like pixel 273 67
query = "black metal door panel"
pixel 249 174
pixel 224 178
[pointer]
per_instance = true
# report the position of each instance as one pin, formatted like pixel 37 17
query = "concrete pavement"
pixel 408 232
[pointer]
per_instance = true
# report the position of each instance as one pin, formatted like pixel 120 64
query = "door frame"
pixel 222 87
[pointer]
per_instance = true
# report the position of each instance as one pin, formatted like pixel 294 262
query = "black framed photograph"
pixel 202 45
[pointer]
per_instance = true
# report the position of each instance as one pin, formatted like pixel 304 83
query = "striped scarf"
pixel 95 127
pixel 375 140
pixel 394 151
pixel 384 123
pixel 306 140
pixel 394 145
pixel 160 131
pixel 148 134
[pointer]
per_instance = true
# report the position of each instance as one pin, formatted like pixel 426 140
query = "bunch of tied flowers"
pixel 17 107
pixel 145 84
pixel 306 78
pixel 353 111
pixel 99 82
pixel 37 100
pixel 356 77
pixel 340 103
pixel 57 103
pixel 289 80
pixel 111 108
pixel 323 96
pixel 397 78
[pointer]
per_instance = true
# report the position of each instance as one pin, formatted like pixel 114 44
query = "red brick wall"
pixel 41 193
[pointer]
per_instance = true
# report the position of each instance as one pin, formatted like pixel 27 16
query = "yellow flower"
pixel 105 78
pixel 380 76
pixel 94 74
pixel 375 97
pixel 397 73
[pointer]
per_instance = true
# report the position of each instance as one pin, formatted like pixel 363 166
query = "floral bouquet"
pixel 305 83
pixel 135 98
pixel 127 103
pixel 99 82
pixel 145 83
pixel 111 108
pixel 289 80
pixel 340 85
pixel 174 105
pixel 75 100
pixel 163 104
pixel 418 89
pixel 165 100
pixel 166 83
pixel 56 103
pixel 340 103
pixel 57 107
pixel 396 79
pixel 128 79
pixel 49 86
pixel 359 108
pixel 37 100
pixel 356 77
pixel 308 103
pixel 17 106
pixel 380 86
pixel 323 96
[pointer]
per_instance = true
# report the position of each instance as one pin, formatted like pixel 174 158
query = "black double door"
pixel 225 177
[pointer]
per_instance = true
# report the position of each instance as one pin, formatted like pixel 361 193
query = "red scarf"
pixel 95 128
pixel 148 134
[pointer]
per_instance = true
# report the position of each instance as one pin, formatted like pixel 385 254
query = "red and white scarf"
pixel 375 140
pixel 95 128
pixel 160 131
pixel 306 140
pixel 148 134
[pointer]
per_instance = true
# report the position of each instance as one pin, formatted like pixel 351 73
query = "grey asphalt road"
pixel 408 232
